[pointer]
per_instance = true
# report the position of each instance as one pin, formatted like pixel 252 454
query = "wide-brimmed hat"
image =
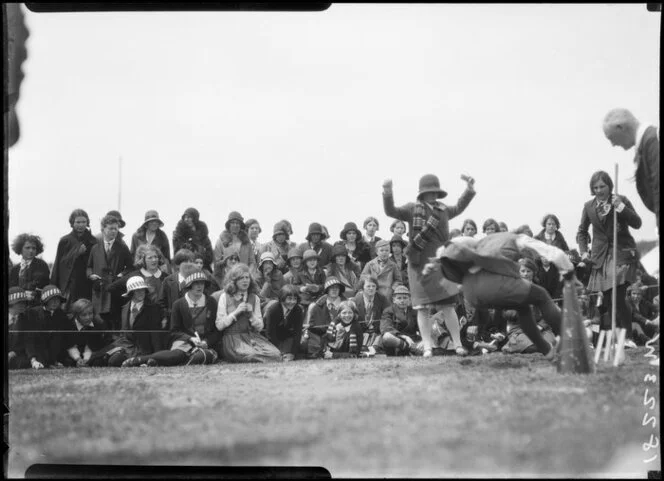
pixel 310 254
pixel 333 281
pixel 51 291
pixel 348 227
pixel 135 283
pixel 235 216
pixel 399 239
pixel 118 216
pixel 152 215
pixel 315 228
pixel 280 228
pixel 430 183
pixel 198 276
pixel 16 295
pixel 265 257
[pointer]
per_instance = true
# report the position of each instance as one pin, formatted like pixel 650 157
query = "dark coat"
pixel 380 303
pixel 108 266
pixel 224 247
pixel 269 288
pixel 47 347
pixel 559 241
pixel 647 170
pixel 160 241
pixel 141 343
pixel 436 288
pixel 70 268
pixel 362 253
pixel 182 324
pixel 280 253
pixel 339 340
pixel 88 336
pixel 321 316
pixel 303 278
pixel 324 251
pixel 602 238
pixel 170 292
pixel 198 241
pixel 283 332
pixel 550 280
pixel 16 340
pixel 399 322
pixel 36 276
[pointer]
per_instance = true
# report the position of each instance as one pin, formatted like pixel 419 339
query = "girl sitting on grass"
pixel 240 321
pixel 344 333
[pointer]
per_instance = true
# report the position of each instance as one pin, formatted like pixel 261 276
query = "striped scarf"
pixel 422 227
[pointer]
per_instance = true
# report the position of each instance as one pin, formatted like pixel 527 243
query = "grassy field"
pixel 491 416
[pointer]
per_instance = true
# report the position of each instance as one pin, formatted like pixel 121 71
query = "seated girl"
pixel 240 321
pixel 193 330
pixel 283 322
pixel 18 303
pixel 85 338
pixel 323 312
pixel 344 333
pixel 370 306
pixel 269 280
pixel 344 269
pixel 398 326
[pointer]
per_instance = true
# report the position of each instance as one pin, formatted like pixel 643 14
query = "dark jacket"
pixel 647 170
pixel 36 276
pixel 170 292
pixel 380 303
pixel 324 251
pixel 182 324
pixel 550 280
pixel 70 267
pixel 196 241
pixel 16 340
pixel 303 278
pixel 559 241
pixel 399 321
pixel 88 336
pixel 108 267
pixel 602 238
pixel 160 241
pixel 284 332
pixel 148 318
pixel 47 347
pixel 342 341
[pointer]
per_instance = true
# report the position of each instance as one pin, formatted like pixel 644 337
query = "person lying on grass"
pixel 193 330
pixel 344 333
pixel 240 321
pixel 398 326
pixel 489 273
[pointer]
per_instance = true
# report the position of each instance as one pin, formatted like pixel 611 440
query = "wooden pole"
pixel 614 293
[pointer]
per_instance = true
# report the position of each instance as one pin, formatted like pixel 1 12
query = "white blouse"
pixel 224 319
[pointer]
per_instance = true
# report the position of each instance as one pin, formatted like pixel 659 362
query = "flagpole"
pixel 120 184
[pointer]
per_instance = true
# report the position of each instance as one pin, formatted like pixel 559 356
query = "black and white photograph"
pixel 332 240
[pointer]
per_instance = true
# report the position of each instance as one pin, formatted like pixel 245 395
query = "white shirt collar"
pixel 199 303
pixel 79 326
pixel 25 263
pixel 146 273
pixel 138 305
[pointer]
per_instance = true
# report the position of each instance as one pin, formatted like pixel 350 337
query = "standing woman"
pixel 598 212
pixel 240 321
pixel 551 233
pixel 235 239
pixel 150 233
pixel 358 250
pixel 370 226
pixel 428 221
pixel 192 233
pixel 279 246
pixel 31 273
pixel 254 230
pixel 344 269
pixel 71 259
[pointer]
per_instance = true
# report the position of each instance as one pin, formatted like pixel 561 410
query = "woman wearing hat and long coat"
pixel 192 233
pixel 428 229
pixel 358 250
pixel 235 239
pixel 316 242
pixel 150 233
pixel 69 271
pixel 279 246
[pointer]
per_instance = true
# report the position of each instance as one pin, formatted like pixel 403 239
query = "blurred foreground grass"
pixel 491 416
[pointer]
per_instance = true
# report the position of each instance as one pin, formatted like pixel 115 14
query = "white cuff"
pixel 620 207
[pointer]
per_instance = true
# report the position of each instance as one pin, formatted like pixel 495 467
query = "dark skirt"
pixel 430 290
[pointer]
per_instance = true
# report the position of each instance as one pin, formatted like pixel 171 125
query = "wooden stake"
pixel 609 345
pixel 614 297
pixel 600 345
pixel 619 356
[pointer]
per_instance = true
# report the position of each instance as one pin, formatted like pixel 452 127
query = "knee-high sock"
pixel 425 323
pixel 452 323
pixel 529 326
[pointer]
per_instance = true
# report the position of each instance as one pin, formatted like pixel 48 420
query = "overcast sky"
pixel 303 115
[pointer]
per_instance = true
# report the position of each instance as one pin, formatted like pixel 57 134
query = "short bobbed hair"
pixel 143 250
pixel 552 217
pixel 288 290
pixel 603 176
pixel 183 255
pixel 468 222
pixel 21 239
pixel 235 273
pixel 80 306
pixel 78 213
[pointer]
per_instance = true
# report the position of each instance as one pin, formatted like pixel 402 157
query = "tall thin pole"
pixel 614 293
pixel 120 184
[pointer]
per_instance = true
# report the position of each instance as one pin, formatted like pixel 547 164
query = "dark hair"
pixel 364 280
pixel 398 221
pixel 109 219
pixel 77 308
pixel 78 213
pixel 288 290
pixel 142 252
pixel 600 175
pixel 183 255
pixel 524 229
pixel 370 219
pixel 237 271
pixel 551 216
pixel 489 222
pixel 21 239
pixel 468 222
